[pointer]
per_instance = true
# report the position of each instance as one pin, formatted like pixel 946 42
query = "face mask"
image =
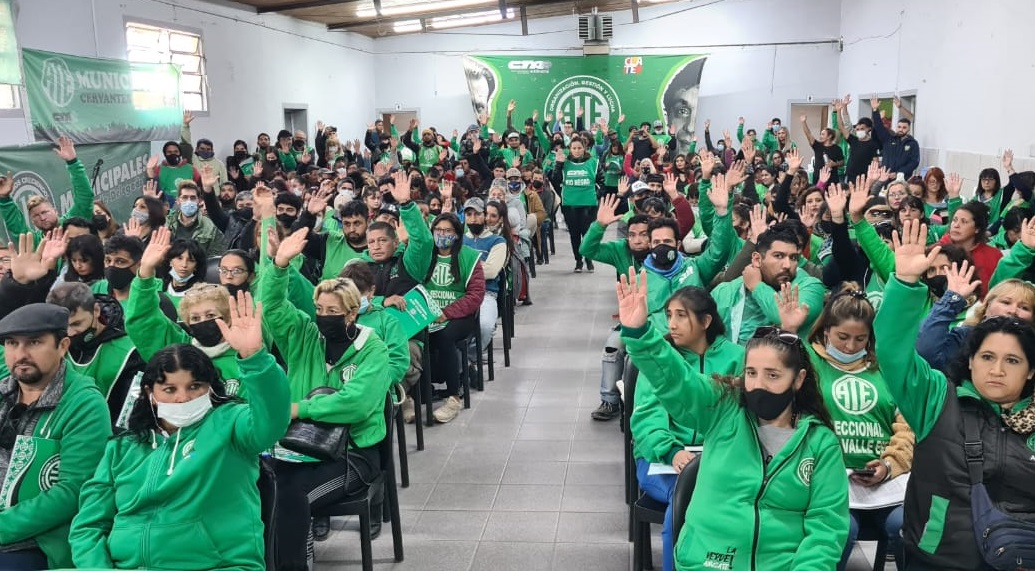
pixel 434 211
pixel 776 128
pixel 83 338
pixel 119 278
pixel 100 221
pixel 183 414
pixel 342 171
pixel 206 155
pixel 296 191
pixel 286 220
pixel 444 242
pixel 842 357
pixel 938 285
pixel 364 305
pixel 514 186
pixel 233 289
pixel 173 160
pixel 298 144
pixel 720 147
pixel 767 405
pixel 640 256
pixel 861 134
pixel 459 173
pixel 207 333
pixel 141 217
pixel 476 229
pixel 189 208
pixel 241 155
pixel 537 184
pixel 177 278
pixel 332 150
pixel 334 329
pixel 664 256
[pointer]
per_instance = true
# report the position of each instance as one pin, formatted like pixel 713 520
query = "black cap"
pixel 389 208
pixel 34 318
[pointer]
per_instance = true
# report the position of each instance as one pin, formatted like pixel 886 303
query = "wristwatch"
pixel 887 466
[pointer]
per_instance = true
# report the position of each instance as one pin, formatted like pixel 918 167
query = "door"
pixel 819 118
pixel 402 119
pixel 296 120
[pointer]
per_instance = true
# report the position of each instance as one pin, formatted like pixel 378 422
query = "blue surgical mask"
pixel 177 278
pixel 842 357
pixel 364 305
pixel 443 242
pixel 189 208
pixel 205 155
pixel 458 172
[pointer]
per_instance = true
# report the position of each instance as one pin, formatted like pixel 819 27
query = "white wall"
pixel 424 71
pixel 256 64
pixel 968 63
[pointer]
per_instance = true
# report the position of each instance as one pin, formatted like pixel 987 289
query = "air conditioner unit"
pixel 595 28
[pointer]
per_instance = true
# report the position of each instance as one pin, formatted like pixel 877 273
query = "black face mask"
pixel 335 330
pixel 82 340
pixel 245 213
pixel 767 405
pixel 100 221
pixel 664 256
pixel 119 278
pixel 435 211
pixel 241 155
pixel 286 220
pixel 476 229
pixel 233 289
pixel 640 256
pixel 938 285
pixel 298 145
pixel 207 333
pixel 537 184
pixel 173 160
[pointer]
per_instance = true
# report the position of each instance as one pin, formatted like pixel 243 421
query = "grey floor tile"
pixel 551 413
pixel 594 499
pixel 616 557
pixel 593 527
pixel 598 431
pixel 530 472
pixel 473 470
pixel 550 399
pixel 596 473
pixel 521 526
pixel 528 498
pixel 474 497
pixel 546 431
pixel 598 450
pixel 513 556
pixel 415 496
pixel 451 525
pixel 540 450
pixel 424 555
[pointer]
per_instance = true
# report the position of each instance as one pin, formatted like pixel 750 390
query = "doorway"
pixel 296 119
pixel 402 119
pixel 818 115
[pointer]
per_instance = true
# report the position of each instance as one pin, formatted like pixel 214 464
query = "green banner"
pixel 10 72
pixel 101 100
pixel 643 88
pixel 120 170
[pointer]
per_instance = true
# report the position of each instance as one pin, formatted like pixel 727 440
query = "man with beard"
pixel 100 348
pixel 428 152
pixel 121 261
pixel 748 302
pixel 335 247
pixel 47 408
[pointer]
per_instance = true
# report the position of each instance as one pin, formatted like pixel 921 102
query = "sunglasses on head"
pixel 770 332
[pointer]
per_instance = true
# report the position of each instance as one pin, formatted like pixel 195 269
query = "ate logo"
pixel 854 395
pixel 442 276
pixel 805 469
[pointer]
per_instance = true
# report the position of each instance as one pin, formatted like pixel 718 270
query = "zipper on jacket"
pixel 761 490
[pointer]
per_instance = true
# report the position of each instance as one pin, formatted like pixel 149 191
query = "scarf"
pixel 648 262
pixel 1021 421
pixel 213 351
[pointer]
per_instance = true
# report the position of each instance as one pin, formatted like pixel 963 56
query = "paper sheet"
pixel 889 493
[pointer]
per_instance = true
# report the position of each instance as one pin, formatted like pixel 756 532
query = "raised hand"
pixel 548 117
pixel 244 333
pixel 860 195
pixel 154 254
pixel 445 188
pixel 1028 233
pixel 6 185
pixel 740 120
pixel 414 123
pixel 727 137
pixel 401 188
pixel 54 246
pixel 152 166
pixel 208 179
pixel 1007 160
pixel 152 189
pixel 27 261
pixel 263 202
pixel 579 112
pixel 188 117
pixel 911 259
pixel 606 211
pixel 290 247
pixel 708 162
pixel 632 299
pixel 66 149
pixel 837 200
pixel 317 204
pixel 898 102
pixel 380 169
pixel 793 313
pixel 559 157
pixel 808 216
pixel 953 184
pixel 824 173
pixel 670 185
pixel 748 149
pixel 707 125
pixel 736 174
pixel 511 106
pixel 874 102
pixel 623 185
pixel 794 159
pixel 960 279
pixel 719 195
pixel 535 115
pixel 758 223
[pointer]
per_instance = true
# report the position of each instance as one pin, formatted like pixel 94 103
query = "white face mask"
pixel 861 133
pixel 184 414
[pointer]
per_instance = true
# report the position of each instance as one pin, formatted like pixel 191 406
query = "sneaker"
pixel 448 410
pixel 589 266
pixel 606 411
pixel 408 411
pixel 578 267
pixel 321 528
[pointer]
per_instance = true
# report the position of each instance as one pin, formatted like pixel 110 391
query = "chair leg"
pixel 648 557
pixel 425 382
pixel 392 513
pixel 637 548
pixel 417 422
pixel 365 540
pixel 490 363
pixel 478 359
pixel 465 376
pixel 404 465
pixel 530 261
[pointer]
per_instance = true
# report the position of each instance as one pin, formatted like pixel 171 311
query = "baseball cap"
pixel 476 204
pixel 513 173
pixel 513 135
pixel 658 123
pixel 639 186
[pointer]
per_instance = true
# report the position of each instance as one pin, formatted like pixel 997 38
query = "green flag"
pixel 101 100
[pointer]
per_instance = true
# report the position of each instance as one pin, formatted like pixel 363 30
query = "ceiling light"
pixel 400 9
pixel 408 26
pixel 473 19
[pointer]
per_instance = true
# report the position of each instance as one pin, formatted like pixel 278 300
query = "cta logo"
pixel 854 395
pixel 57 82
pixel 592 95
pixel 533 66
pixel 633 66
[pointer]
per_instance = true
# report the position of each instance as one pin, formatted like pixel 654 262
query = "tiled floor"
pixel 524 480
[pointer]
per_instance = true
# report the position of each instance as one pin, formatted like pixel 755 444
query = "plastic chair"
pixel 268 508
pixel 212 270
pixel 646 510
pixel 685 484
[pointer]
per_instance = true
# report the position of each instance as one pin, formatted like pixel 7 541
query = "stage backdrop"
pixel 101 100
pixel 120 170
pixel 643 88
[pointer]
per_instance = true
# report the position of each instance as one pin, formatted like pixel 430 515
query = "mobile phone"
pixel 865 472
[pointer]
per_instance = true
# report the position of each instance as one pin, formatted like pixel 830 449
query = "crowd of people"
pixel 825 330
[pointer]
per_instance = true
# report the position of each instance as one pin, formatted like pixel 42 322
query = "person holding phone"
pixel 876 441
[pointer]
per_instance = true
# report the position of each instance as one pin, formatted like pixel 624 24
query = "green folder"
pixel 32 471
pixel 420 312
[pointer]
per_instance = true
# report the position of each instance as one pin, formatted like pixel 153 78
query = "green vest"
pixel 107 363
pixel 168 177
pixel 427 157
pixel 337 254
pixel 445 289
pixel 579 188
pixel 613 167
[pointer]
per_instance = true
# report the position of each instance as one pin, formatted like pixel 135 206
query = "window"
pixel 153 44
pixel 9 98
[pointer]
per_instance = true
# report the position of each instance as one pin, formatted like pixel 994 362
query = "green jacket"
pixel 361 375
pixel 615 253
pixel 82 204
pixel 82 425
pixel 186 501
pixel 204 232
pixel 151 331
pixel 742 314
pixel 388 329
pixel 656 435
pixel 791 513
pixel 1014 264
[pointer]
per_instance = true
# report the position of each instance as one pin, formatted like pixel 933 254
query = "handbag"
pixel 1005 543
pixel 320 440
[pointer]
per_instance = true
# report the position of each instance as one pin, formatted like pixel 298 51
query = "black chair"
pixel 400 430
pixel 381 490
pixel 545 229
pixel 646 510
pixel 632 486
pixel 870 533
pixel 505 306
pixel 685 484
pixel 212 270
pixel 268 509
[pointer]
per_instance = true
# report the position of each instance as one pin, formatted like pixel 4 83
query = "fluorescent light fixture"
pixel 401 8
pixel 473 19
pixel 407 26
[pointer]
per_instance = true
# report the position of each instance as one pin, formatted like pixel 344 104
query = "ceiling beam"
pixel 303 5
pixel 431 13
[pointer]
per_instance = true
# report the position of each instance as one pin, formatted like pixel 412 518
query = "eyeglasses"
pixel 9 430
pixel 770 332
pixel 232 272
pixel 879 212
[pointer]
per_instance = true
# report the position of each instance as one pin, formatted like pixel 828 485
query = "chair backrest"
pixel 268 508
pixel 684 490
pixel 386 444
pixel 212 270
pixel 629 375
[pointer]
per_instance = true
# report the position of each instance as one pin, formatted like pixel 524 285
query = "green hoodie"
pixel 1014 264
pixel 656 435
pixel 743 312
pixel 82 204
pixel 186 501
pixel 82 424
pixel 361 375
pixel 388 329
pixel 791 513
pixel 615 253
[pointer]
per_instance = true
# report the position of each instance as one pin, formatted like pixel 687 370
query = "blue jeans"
pixel 888 521
pixel 25 560
pixel 660 487
pixel 612 363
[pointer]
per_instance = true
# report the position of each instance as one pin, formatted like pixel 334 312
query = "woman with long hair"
pixel 696 332
pixel 184 266
pixel 969 231
pixel 771 490
pixel 155 485
pixel 574 176
pixel 84 259
pixel 974 427
pixel 103 220
pixel 148 215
